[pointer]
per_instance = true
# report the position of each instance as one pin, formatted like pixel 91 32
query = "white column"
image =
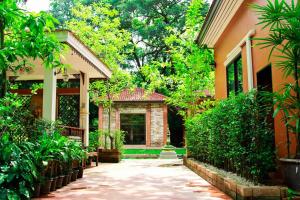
pixel 249 63
pixel 49 95
pixel 84 106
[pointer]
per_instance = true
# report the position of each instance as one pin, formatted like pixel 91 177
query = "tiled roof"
pixel 139 94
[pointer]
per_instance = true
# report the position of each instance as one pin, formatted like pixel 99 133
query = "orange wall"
pixel 245 20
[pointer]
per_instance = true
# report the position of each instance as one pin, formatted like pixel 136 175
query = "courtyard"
pixel 137 179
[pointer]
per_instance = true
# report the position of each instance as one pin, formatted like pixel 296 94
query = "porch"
pixel 83 65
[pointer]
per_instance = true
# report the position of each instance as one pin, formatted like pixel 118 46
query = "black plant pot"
pixel 74 175
pixel 65 180
pixel 37 190
pixel 69 177
pixel 46 186
pixel 80 173
pixel 59 181
pixel 291 172
pixel 53 184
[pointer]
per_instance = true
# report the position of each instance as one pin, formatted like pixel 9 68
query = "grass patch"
pixel 179 151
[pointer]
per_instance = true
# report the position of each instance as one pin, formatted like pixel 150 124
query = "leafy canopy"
pixel 188 75
pixel 24 37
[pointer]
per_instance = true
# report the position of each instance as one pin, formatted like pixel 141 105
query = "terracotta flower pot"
pixel 59 181
pixel 46 186
pixel 291 172
pixel 109 155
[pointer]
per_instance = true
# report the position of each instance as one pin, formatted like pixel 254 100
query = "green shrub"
pixel 18 171
pixel 112 140
pixel 94 141
pixel 236 135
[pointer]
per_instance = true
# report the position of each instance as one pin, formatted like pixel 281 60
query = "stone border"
pixel 233 189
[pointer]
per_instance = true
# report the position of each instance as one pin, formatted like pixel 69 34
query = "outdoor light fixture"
pixel 65 76
pixel 64 73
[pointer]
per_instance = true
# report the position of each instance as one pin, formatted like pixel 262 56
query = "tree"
pixel 148 23
pixel 98 26
pixel 282 20
pixel 188 73
pixel 103 92
pixel 25 36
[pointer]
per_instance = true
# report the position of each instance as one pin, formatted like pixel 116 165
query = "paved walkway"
pixel 139 180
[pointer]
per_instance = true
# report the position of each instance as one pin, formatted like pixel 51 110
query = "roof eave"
pixel 70 38
pixel 208 20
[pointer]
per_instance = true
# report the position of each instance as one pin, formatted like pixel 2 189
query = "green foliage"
pixel 94 141
pixel 98 26
pixel 103 92
pixel 17 169
pixel 188 75
pixel 16 119
pixel 282 20
pixel 235 135
pixel 112 140
pixel 29 148
pixel 25 37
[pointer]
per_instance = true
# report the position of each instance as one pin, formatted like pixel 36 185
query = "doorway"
pixel 134 126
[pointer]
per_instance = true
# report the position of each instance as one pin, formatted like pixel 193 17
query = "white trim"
pixel 233 55
pixel 238 50
pixel 65 36
pixel 220 21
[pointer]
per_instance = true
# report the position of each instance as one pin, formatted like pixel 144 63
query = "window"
pixel 235 77
pixel 134 126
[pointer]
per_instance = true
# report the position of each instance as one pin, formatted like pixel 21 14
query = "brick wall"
pixel 157 123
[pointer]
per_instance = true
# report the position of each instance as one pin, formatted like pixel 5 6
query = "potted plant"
pixel 113 146
pixel 282 20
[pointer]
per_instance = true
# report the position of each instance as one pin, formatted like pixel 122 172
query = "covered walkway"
pixel 139 179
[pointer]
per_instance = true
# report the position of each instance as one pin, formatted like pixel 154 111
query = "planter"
pixel 80 172
pixel 74 175
pixel 69 177
pixel 291 172
pixel 53 184
pixel 59 181
pixel 37 190
pixel 109 155
pixel 46 186
pixel 65 180
pixel 233 188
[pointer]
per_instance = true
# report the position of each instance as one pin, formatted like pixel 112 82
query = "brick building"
pixel 144 117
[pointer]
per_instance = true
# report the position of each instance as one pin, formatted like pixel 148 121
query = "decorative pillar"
pixel 84 106
pixel 249 63
pixel 165 121
pixel 148 126
pixel 100 117
pixel 49 95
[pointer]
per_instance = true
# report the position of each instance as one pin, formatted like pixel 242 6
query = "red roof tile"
pixel 139 94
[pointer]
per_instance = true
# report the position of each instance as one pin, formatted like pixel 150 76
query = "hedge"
pixel 235 135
